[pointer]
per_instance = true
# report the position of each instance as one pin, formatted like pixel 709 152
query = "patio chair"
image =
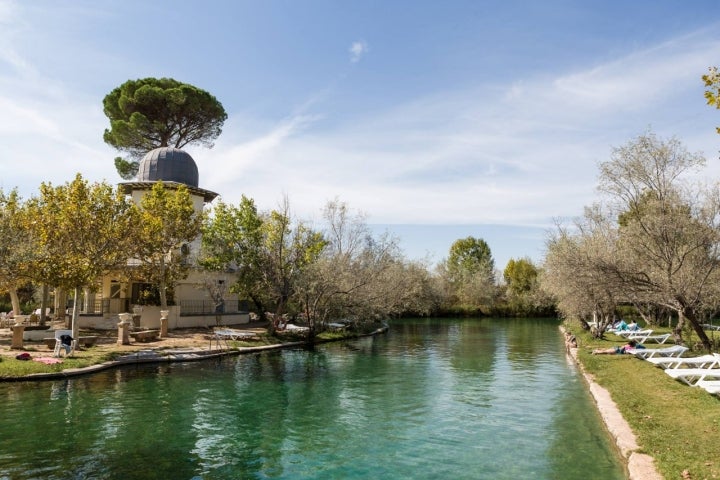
pixel 64 341
pixel 673 351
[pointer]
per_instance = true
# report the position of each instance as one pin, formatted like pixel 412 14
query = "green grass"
pixel 13 368
pixel 676 424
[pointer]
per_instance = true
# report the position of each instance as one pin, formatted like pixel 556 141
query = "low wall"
pixel 150 319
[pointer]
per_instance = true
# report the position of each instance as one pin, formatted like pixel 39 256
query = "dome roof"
pixel 168 164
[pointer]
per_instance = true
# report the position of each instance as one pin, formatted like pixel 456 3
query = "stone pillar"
pixel 17 337
pixel 136 316
pixel 124 329
pixel 164 323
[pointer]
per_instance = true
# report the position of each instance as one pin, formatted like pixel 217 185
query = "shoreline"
pixel 640 466
pixel 164 355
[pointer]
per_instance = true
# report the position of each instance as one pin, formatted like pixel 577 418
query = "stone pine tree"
pixel 159 112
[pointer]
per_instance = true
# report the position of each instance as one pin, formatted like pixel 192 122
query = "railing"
pixel 187 307
pixel 108 305
pixel 208 307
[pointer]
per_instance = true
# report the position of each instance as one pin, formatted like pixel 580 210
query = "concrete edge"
pixel 640 466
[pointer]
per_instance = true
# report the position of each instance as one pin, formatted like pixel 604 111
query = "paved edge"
pixel 640 466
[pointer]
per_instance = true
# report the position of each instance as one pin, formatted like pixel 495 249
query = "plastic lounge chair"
pixel 660 338
pixel 710 386
pixel 691 376
pixel 230 334
pixel 704 361
pixel 673 351
pixel 711 327
pixel 638 335
pixel 63 341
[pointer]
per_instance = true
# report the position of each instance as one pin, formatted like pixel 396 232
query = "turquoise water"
pixel 432 399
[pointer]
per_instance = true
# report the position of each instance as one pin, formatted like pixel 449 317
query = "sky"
pixel 436 120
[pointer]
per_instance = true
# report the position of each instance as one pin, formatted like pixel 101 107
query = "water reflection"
pixel 431 399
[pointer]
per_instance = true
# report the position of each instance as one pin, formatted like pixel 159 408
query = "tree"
pixel 81 231
pixel 167 222
pixel 232 239
pixel 712 94
pixel 469 272
pixel 520 275
pixel 268 251
pixel 359 277
pixel 575 267
pixel 149 113
pixel 669 232
pixel 16 249
pixel 522 290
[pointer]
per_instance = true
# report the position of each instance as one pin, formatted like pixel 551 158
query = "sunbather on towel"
pixel 632 344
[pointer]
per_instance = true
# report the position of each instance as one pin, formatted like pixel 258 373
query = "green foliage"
pixel 148 113
pixel 712 94
pixel 470 255
pixel 520 275
pixel 81 231
pixel 167 221
pixel 126 169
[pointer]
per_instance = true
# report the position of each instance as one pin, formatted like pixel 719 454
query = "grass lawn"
pixel 676 424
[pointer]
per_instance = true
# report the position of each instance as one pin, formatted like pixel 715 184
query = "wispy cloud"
pixel 358 50
pixel 504 154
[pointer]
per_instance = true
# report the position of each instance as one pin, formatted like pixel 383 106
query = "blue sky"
pixel 438 120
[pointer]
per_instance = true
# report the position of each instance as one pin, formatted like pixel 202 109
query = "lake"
pixel 431 399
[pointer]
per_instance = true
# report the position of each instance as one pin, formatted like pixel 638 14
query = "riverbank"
pixel 675 424
pixel 640 466
pixel 185 345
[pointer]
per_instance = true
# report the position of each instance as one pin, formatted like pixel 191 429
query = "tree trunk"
pixel 689 314
pixel 74 322
pixel 163 286
pixel 43 304
pixel 15 300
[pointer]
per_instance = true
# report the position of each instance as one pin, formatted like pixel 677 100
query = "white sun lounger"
pixel 710 386
pixel 660 338
pixel 628 333
pixel 673 351
pixel 230 334
pixel 639 335
pixel 691 376
pixel 704 361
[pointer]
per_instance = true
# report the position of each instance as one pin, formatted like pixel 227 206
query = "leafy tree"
pixel 669 240
pixel 149 113
pixel 522 289
pixel 81 231
pixel 469 273
pixel 16 249
pixel 268 252
pixel 358 277
pixel 575 267
pixel 520 275
pixel 712 94
pixel 232 239
pixel 167 222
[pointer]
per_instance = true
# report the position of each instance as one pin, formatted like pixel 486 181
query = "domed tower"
pixel 173 167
